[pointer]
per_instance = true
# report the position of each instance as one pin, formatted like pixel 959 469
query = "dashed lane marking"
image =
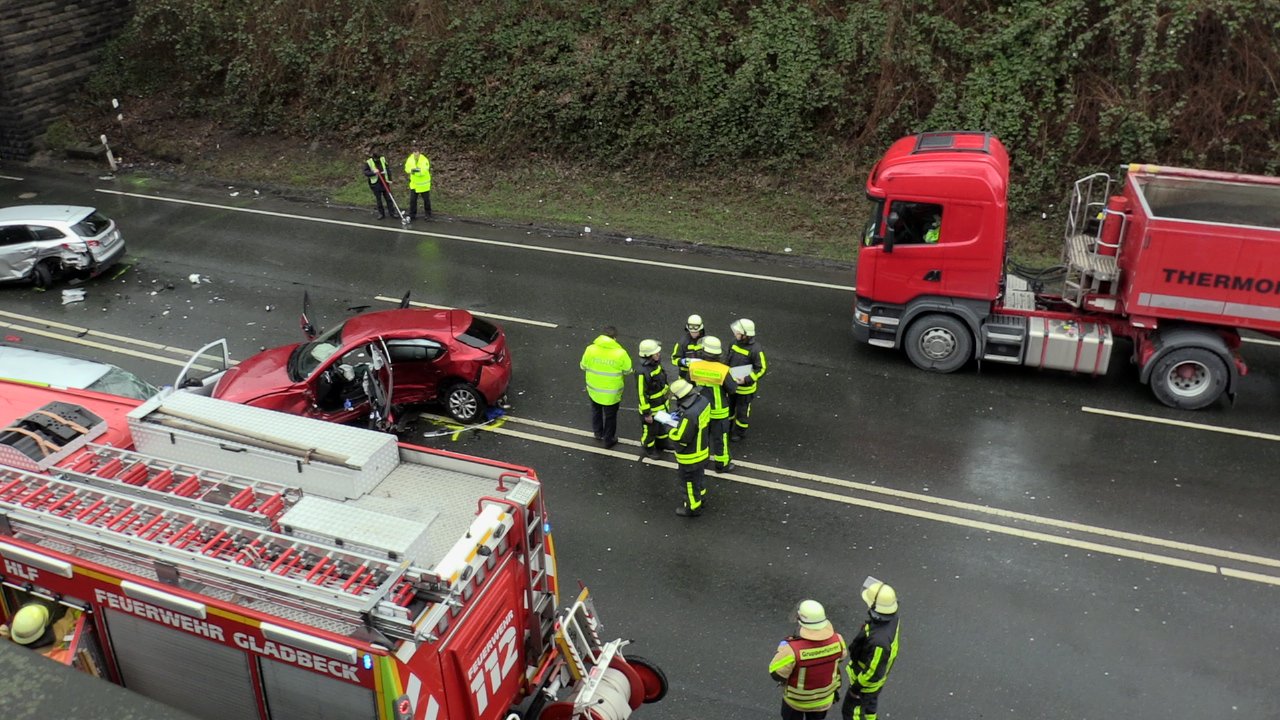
pixel 1205 567
pixel 9 177
pixel 504 318
pixel 483 241
pixel 1182 424
pixel 1260 341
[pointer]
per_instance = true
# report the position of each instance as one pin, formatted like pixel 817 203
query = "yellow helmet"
pixel 811 614
pixel 29 623
pixel 881 598
pixel 744 327
pixel 694 323
pixel 649 347
pixel 681 387
pixel 711 344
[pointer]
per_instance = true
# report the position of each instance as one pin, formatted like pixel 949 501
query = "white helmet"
pixel 694 323
pixel 880 598
pixel 681 387
pixel 711 344
pixel 649 348
pixel 811 614
pixel 744 327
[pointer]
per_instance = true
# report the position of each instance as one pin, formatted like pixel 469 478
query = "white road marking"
pixel 1101 548
pixel 961 505
pixel 1260 341
pixel 492 243
pixel 9 177
pixel 1182 424
pixel 504 318
pixel 101 346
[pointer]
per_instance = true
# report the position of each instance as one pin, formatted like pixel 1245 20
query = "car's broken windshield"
pixel 311 355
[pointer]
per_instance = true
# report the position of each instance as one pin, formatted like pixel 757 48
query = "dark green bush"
pixel 749 86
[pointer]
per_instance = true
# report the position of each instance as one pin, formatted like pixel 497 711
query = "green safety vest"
pixel 605 363
pixel 418 168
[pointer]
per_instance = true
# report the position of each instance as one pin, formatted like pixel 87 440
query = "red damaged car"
pixel 412 355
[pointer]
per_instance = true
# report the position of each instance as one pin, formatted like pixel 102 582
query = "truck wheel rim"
pixel 1188 379
pixel 462 404
pixel 937 344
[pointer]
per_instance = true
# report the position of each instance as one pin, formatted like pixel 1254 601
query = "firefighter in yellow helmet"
pixel 32 626
pixel 872 652
pixel 651 396
pixel 692 414
pixel 808 665
pixel 688 345
pixel 720 396
pixel 745 351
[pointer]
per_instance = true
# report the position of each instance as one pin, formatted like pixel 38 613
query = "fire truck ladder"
pixel 1090 262
pixel 222 553
pixel 255 502
pixel 526 502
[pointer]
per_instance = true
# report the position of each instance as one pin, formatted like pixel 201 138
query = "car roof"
pixel 404 321
pixel 28 365
pixel 70 214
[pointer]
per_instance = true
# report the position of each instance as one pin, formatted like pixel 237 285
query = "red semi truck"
pixel 236 563
pixel 1178 261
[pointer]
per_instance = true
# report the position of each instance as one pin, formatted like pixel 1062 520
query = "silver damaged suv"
pixel 42 243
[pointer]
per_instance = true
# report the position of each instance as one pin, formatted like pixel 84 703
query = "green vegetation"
pixel 752 121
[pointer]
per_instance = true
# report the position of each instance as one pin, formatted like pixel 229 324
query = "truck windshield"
pixel 872 231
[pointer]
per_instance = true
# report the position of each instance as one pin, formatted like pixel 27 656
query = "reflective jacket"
pixel 605 363
pixel 872 652
pixel 811 668
pixel 685 348
pixel 690 433
pixel 373 167
pixel 746 352
pixel 418 168
pixel 651 387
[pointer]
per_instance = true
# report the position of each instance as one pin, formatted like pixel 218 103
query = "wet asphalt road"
pixel 1003 616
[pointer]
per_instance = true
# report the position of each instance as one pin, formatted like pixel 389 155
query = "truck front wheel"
pixel 938 343
pixel 1189 378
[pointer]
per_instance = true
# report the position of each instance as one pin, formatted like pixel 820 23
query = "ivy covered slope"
pixel 716 85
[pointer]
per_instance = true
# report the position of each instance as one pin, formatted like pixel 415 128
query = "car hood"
pixel 262 374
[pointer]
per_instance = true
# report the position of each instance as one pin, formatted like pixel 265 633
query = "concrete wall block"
pixel 48 48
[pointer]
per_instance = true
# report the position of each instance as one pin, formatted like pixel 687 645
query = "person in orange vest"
pixel 808 665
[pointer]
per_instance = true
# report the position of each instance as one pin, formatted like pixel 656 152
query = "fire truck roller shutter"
pixel 297 694
pixel 199 676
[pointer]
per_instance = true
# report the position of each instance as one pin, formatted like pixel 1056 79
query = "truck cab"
pixel 935 237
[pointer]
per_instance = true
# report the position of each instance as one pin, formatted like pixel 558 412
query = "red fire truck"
pixel 1178 262
pixel 235 562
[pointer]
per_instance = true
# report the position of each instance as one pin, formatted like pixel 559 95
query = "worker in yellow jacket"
pixel 418 168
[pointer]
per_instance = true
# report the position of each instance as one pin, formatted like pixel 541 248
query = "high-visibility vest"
pixel 931 236
pixel 418 168
pixel 605 363
pixel 718 397
pixel 375 169
pixel 816 676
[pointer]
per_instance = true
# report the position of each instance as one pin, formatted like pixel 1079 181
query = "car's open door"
pixel 202 372
pixel 378 384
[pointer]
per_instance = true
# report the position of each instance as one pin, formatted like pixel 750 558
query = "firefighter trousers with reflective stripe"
pixel 651 431
pixel 691 476
pixel 719 432
pixel 859 706
pixel 740 409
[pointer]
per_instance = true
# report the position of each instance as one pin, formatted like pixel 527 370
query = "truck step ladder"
pixel 223 553
pixel 1091 263
pixel 256 502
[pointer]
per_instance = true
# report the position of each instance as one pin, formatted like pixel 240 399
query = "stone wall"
pixel 48 49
